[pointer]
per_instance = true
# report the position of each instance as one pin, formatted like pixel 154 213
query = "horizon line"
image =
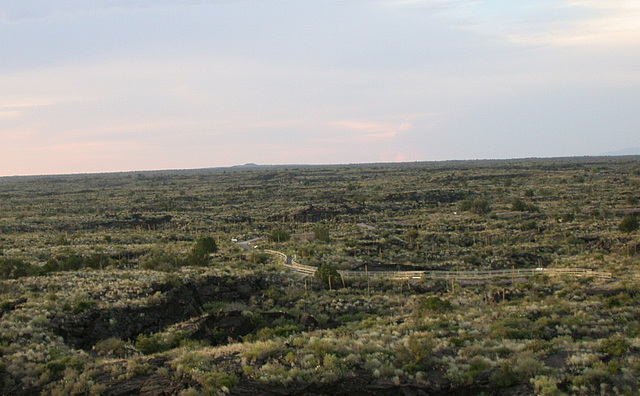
pixel 251 165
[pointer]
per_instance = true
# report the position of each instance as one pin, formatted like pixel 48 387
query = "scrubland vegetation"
pixel 135 284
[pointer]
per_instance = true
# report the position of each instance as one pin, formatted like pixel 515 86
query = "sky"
pixel 122 85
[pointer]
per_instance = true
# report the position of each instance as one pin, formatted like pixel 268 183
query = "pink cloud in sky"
pixel 90 86
pixel 364 131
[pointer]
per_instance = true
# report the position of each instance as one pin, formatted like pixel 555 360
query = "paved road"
pixel 248 245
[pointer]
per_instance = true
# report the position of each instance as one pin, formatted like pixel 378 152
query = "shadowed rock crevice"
pixel 178 304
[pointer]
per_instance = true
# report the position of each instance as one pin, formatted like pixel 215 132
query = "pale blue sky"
pixel 95 86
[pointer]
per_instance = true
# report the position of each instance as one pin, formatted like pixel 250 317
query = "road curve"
pixel 248 245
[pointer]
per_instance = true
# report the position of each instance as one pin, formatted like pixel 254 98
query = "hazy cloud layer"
pixel 90 86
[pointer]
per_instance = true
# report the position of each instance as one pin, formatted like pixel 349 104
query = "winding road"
pixel 308 270
pixel 248 245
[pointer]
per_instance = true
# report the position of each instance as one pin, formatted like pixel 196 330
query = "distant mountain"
pixel 248 165
pixel 627 151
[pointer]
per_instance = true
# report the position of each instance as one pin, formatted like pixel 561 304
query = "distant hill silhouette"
pixel 627 151
pixel 247 165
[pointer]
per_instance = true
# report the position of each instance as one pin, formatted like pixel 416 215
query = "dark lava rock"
pixel 216 328
pixel 178 304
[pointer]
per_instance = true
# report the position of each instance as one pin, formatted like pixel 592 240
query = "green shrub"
pixel 519 205
pixel 156 343
pixel 213 381
pixel 172 280
pixel 322 233
pixel 618 300
pixel 161 259
pixel 57 366
pixel 421 348
pixel 434 305
pixel 529 225
pixel 259 257
pixel 514 328
pixel 150 344
pixel 111 346
pixel 136 368
pixel 629 224
pixel 545 386
pixel 82 304
pixel 356 317
pixel 615 346
pixel 263 350
pixel 287 330
pixel 207 244
pixel 15 268
pixel 75 262
pixel 97 261
pixel 540 345
pixel 477 206
pixel 478 365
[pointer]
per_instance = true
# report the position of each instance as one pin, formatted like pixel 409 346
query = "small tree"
pixel 207 244
pixel 279 235
pixel 200 252
pixel 327 274
pixel 629 224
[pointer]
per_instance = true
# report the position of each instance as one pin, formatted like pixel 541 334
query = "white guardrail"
pixel 456 275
